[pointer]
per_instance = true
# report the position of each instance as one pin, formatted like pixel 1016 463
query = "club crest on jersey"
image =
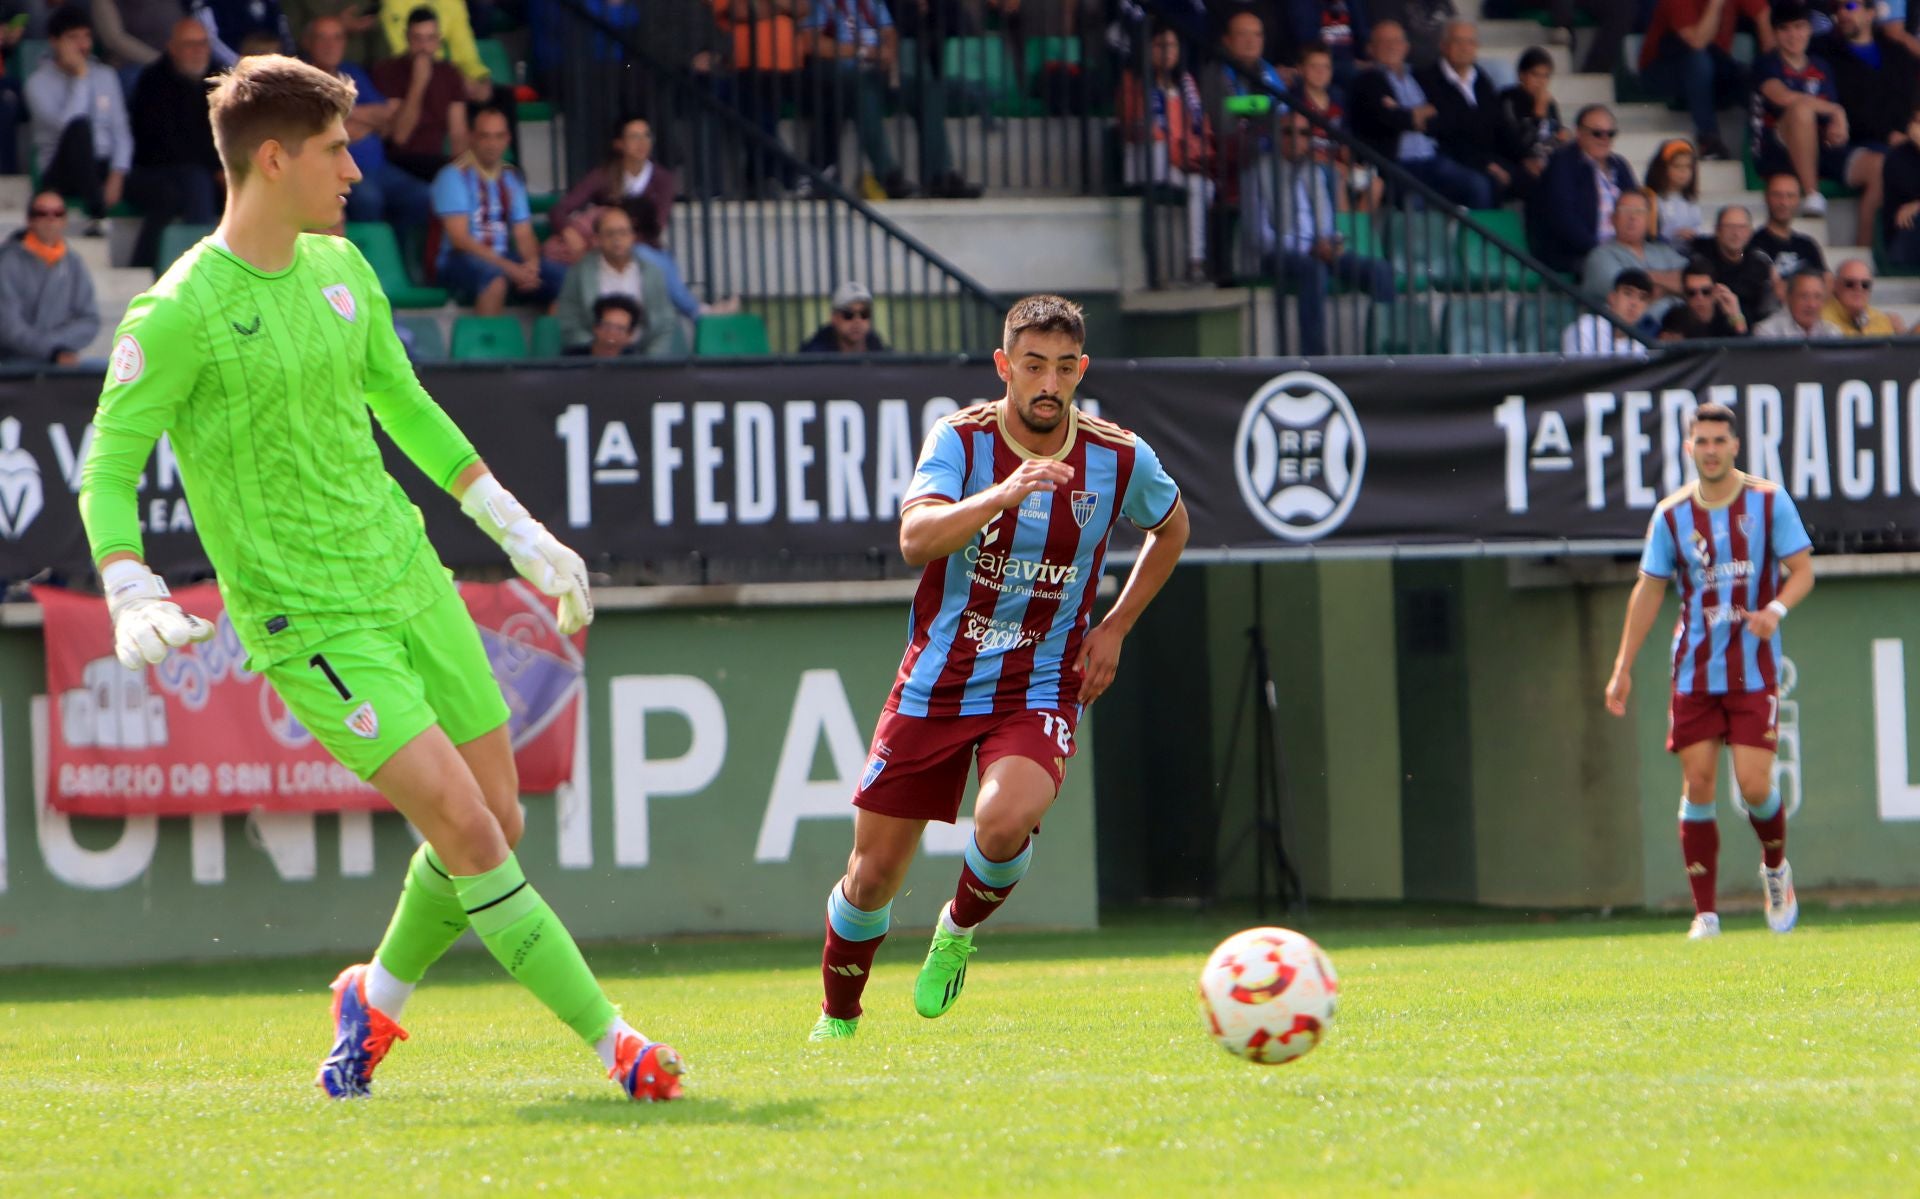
pixel 1084 502
pixel 341 299
pixel 364 722
pixel 1035 507
pixel 1745 520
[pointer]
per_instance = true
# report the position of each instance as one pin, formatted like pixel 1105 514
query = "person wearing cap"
pixel 849 328
pixel 1594 336
pixel 1799 126
pixel 1800 320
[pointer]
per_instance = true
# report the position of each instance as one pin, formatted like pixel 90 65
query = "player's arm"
pixel 1643 608
pixel 136 407
pixel 931 529
pixel 1100 650
pixel 431 441
pixel 1799 581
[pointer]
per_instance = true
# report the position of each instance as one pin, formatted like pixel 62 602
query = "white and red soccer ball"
pixel 1268 995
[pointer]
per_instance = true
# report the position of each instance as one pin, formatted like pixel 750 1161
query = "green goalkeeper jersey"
pixel 263 384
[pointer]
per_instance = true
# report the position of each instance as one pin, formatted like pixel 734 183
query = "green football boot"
pixel 943 974
pixel 832 1028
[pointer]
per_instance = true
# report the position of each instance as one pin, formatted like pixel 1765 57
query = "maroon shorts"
pixel 917 767
pixel 1738 718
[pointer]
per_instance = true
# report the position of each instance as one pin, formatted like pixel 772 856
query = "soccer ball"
pixel 1268 995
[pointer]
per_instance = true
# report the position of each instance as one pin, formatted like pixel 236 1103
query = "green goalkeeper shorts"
pixel 365 693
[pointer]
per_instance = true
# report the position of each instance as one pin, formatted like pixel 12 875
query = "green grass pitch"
pixel 1474 1055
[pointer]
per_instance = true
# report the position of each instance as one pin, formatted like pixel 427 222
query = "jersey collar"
pixel 1066 447
pixel 1701 501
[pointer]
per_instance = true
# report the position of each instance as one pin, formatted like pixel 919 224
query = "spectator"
pixel 616 270
pixel 1571 211
pixel 1798 124
pixel 1235 90
pixel 1275 27
pixel 1339 25
pixel 766 69
pixel 241 28
pixel 1688 55
pixel 1709 310
pixel 366 39
pixel 176 171
pixel 1534 129
pixel 1310 251
pixel 1902 176
pixel 849 329
pixel 430 126
pixel 629 173
pixel 1632 249
pixel 617 323
pixel 1747 272
pixel 385 192
pixel 80 130
pixel 134 33
pixel 1850 309
pixel 455 44
pixel 1317 94
pixel 646 230
pixel 854 51
pixel 1170 140
pixel 1468 119
pixel 1423 21
pixel 1393 114
pixel 488 251
pixel 1876 75
pixel 47 309
pixel 1800 320
pixel 1789 250
pixel 1673 180
pixel 1594 336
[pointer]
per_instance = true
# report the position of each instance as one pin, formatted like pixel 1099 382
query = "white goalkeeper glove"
pixel 536 553
pixel 146 623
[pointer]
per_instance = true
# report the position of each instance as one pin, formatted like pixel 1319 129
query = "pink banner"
pixel 201 733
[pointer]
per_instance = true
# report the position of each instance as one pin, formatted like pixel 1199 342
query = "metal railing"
pixel 754 222
pixel 1343 251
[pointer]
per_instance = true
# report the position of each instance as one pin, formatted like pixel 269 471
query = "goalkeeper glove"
pixel 146 623
pixel 536 553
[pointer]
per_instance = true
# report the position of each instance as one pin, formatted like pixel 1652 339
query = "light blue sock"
pixel 998 874
pixel 1766 810
pixel 1697 813
pixel 854 924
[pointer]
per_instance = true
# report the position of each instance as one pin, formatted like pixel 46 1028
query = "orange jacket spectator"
pixel 1180 122
pixel 763 33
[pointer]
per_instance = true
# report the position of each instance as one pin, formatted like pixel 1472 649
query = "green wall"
pixel 724 744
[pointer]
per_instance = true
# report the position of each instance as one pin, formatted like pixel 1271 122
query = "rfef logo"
pixel 1300 456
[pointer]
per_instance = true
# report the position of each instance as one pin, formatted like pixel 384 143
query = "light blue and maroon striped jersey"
pixel 1726 559
pixel 996 627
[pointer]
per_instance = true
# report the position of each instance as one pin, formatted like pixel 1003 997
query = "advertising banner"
pixel 202 733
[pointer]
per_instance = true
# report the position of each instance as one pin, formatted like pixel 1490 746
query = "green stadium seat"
pixel 546 337
pixel 494 57
pixel 1043 50
pixel 1421 244
pixel 984 63
pixel 488 339
pixel 741 334
pixel 1362 237
pixel 377 241
pixel 1476 325
pixel 1539 321
pixel 425 342
pixel 176 240
pixel 1405 327
pixel 26 57
pixel 1479 263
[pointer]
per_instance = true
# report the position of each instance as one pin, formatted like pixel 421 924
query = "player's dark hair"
pixel 421 15
pixel 272 98
pixel 1710 412
pixel 1044 314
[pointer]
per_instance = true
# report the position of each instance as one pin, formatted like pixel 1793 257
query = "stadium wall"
pixel 723 744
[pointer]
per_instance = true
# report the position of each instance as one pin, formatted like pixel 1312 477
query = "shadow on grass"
pixel 694 1109
pixel 1132 933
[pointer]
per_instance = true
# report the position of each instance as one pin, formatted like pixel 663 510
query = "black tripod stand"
pixel 1274 875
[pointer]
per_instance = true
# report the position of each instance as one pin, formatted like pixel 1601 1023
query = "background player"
pixel 1010 509
pixel 1726 537
pixel 260 353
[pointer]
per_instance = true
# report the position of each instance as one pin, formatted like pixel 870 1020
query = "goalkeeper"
pixel 260 353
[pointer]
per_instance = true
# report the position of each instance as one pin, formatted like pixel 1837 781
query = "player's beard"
pixel 1038 422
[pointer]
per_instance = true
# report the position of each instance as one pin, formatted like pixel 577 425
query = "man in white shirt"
pixel 1800 320
pixel 1594 336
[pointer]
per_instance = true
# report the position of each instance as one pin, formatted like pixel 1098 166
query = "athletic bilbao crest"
pixel 364 722
pixel 541 676
pixel 341 299
pixel 1084 502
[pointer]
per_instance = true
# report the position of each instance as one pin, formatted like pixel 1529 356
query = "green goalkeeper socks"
pixel 525 936
pixel 428 920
